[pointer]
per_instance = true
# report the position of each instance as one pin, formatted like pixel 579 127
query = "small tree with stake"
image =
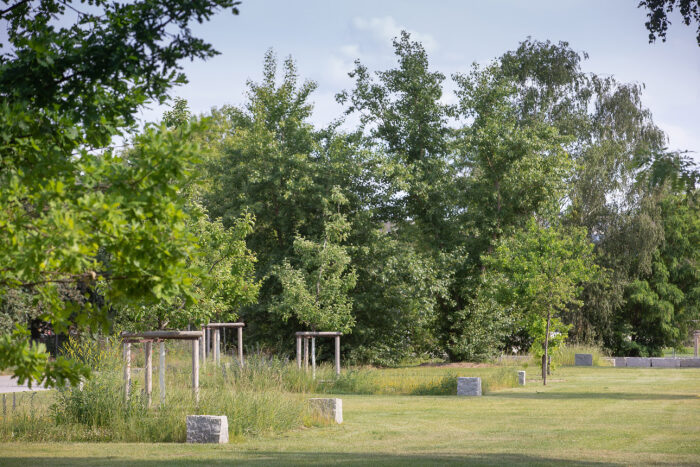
pixel 539 271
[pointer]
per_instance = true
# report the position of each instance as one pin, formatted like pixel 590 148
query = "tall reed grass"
pixel 254 398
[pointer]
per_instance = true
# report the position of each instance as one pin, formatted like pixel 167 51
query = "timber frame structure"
pixel 148 338
pixel 215 328
pixel 312 335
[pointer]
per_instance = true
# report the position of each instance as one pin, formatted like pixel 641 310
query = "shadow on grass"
pixel 300 458
pixel 629 396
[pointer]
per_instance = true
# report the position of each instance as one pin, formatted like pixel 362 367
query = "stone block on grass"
pixel 620 362
pixel 690 362
pixel 468 386
pixel 583 359
pixel 665 363
pixel 521 378
pixel 207 429
pixel 328 408
pixel 638 362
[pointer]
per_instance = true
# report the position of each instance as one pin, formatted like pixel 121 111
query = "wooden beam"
pixel 161 373
pixel 148 384
pixel 225 325
pixel 127 370
pixel 298 338
pixel 186 335
pixel 217 346
pixel 313 357
pixel 318 334
pixel 203 348
pixel 195 370
pixel 337 355
pixel 240 345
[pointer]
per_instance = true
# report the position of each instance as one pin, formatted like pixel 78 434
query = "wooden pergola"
pixel 312 335
pixel 216 338
pixel 148 338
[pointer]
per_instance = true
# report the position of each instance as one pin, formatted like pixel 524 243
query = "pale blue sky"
pixel 325 37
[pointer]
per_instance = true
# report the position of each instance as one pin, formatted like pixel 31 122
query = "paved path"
pixel 8 384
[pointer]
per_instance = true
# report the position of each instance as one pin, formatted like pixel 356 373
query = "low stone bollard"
pixel 638 362
pixel 665 362
pixel 468 386
pixel 207 429
pixel 328 408
pixel 521 378
pixel 583 359
pixel 690 362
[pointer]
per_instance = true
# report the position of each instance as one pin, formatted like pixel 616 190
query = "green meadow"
pixel 584 416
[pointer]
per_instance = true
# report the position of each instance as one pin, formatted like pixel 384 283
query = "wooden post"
pixel 696 335
pixel 313 357
pixel 299 352
pixel 208 342
pixel 161 373
pixel 240 345
pixel 337 355
pixel 148 386
pixel 127 370
pixel 223 340
pixel 217 346
pixel 195 369
pixel 306 354
pixel 203 347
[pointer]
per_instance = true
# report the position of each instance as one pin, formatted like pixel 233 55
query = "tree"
pixel 316 292
pixel 265 158
pixel 74 211
pixel 536 273
pixel 610 133
pixel 222 271
pixel 658 22
pixel 402 114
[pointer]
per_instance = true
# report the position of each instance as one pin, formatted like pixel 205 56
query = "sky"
pixel 326 36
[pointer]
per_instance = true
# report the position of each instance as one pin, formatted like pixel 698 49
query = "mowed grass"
pixel 585 416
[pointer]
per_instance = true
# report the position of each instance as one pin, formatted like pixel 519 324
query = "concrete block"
pixel 638 362
pixel 207 429
pixel 620 362
pixel 665 362
pixel 583 359
pixel 521 378
pixel 468 386
pixel 689 362
pixel 328 407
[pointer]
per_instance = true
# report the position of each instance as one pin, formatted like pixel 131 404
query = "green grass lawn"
pixel 585 416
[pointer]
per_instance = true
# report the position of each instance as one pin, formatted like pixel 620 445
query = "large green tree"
pixel 536 273
pixel 74 211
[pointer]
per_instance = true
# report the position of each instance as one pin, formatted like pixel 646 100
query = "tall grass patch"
pixel 565 355
pixel 255 399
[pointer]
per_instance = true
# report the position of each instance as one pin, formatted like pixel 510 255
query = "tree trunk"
pixel 545 361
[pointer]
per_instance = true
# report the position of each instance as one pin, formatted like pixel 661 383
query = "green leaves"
pixel 84 227
pixel 538 272
pixel 316 292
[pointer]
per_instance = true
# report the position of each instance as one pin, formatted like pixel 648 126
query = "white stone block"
pixel 328 408
pixel 620 362
pixel 666 362
pixel 583 359
pixel 639 362
pixel 468 386
pixel 207 429
pixel 690 362
pixel 521 378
